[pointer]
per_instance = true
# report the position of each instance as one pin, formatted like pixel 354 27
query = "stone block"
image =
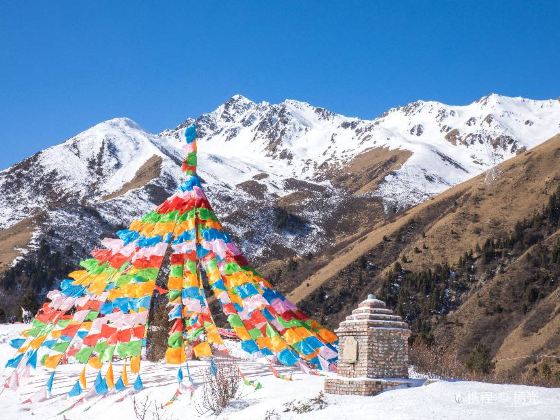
pixel 373 344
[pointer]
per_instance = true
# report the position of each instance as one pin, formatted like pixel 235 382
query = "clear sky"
pixel 67 65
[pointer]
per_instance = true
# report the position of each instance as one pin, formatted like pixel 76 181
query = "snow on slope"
pixel 84 168
pixel 439 400
pixel 483 134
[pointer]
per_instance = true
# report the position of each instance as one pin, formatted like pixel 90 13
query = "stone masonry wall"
pixel 342 386
pixel 388 353
pixel 382 353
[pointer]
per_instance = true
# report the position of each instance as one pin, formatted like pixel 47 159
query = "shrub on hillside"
pixel 435 361
pixel 479 360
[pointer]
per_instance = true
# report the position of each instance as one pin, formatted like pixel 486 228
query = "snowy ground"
pixel 438 400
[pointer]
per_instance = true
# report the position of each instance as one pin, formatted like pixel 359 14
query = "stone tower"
pixel 373 351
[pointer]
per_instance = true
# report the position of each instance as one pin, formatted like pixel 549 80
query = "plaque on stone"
pixel 350 350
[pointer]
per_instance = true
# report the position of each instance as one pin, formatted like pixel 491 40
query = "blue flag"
pixel 287 357
pixel 32 361
pixel 138 385
pixel 13 363
pixel 100 385
pixel 190 133
pixel 49 343
pixel 180 375
pixel 50 382
pixel 119 386
pixel 213 367
pixel 175 313
pixel 16 343
pixel 76 389
pixel 189 373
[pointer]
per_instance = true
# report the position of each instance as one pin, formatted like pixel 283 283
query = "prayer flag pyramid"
pixel 101 311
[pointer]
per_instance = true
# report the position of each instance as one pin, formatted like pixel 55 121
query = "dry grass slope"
pixel 13 239
pixel 148 171
pixel 441 230
pixel 480 210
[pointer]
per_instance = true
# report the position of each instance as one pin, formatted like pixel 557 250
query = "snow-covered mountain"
pixel 286 178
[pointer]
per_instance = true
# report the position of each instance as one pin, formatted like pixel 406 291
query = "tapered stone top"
pixel 373 313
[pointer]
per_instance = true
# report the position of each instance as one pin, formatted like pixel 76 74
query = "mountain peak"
pixel 296 103
pixel 239 99
pixel 492 99
pixel 119 123
pixel 497 99
pixel 234 107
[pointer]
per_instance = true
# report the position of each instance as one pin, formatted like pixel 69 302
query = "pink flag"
pixel 39 396
pixel 13 382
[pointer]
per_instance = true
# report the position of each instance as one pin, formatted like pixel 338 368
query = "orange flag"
pixel 52 361
pixel 109 377
pixel 83 382
pixel 124 375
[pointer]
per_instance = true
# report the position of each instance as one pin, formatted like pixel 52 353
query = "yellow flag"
pixel 36 342
pixel 95 363
pixel 202 350
pixel 174 282
pixel 55 334
pixel 278 344
pixel 136 225
pixel 83 382
pixel 291 336
pixel 135 364
pixel 264 342
pixel 175 356
pixel 242 333
pixel 213 335
pixel 327 335
pixel 302 332
pixel 52 361
pixel 78 275
pixel 109 377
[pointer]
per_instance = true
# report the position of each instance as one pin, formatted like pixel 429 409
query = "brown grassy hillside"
pixel 13 240
pixel 461 291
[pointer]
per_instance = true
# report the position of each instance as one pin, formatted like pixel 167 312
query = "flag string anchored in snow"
pixel 278 374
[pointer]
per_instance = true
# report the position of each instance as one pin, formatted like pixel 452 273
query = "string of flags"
pixel 100 311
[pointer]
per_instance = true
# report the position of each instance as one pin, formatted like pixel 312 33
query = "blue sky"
pixel 67 65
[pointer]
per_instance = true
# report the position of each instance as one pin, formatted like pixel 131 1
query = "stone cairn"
pixel 373 351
